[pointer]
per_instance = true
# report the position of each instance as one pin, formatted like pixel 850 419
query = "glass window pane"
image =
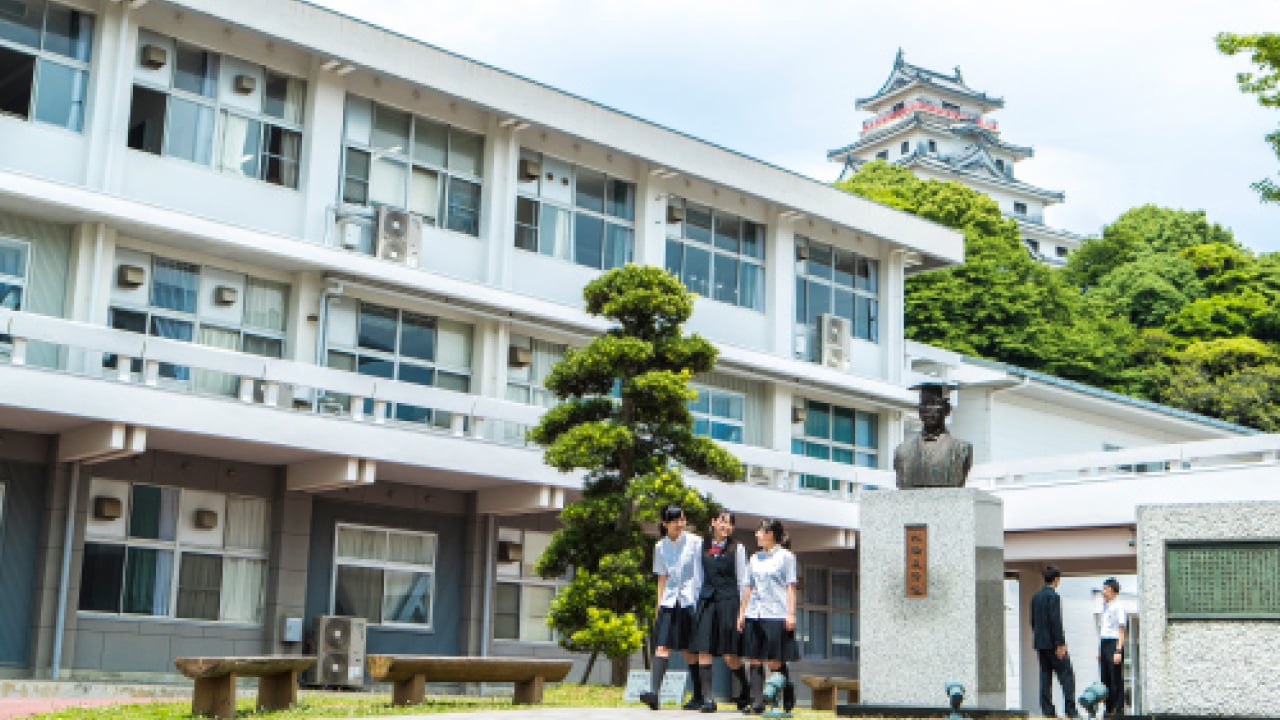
pixel 416 374
pixel 20 21
pixel 589 190
pixel 19 74
pixel 844 304
pixel 248 523
pixel 617 245
pixel 728 232
pixel 701 403
pixel 697 270
pixel 195 71
pixel 588 240
pixel 128 320
pixel 377 327
pixel 866 460
pixel 10 296
pixel 527 224
pixel 866 431
pixel 60 95
pixel 357 591
pixel 199 586
pixel 752 240
pixel 842 455
pixel 464 207
pixel 173 285
pixel 411 548
pixel 842 589
pixel 506 612
pixel 453 381
pixel 13 259
pixel 244 583
pixel 418 336
pixel 726 279
pixel 359 120
pixel 390 130
pixel 387 182
pixel 621 199
pixel 554 232
pixel 815 644
pixel 265 304
pixel 535 604
pixel 674 229
pixel 697 222
pixel 817 450
pixel 674 252
pixel 841 636
pixel 284 97
pixel 820 260
pixel 845 267
pixel 153 512
pixel 101 574
pixel 361 543
pixel 424 194
pixel 239 145
pixel 819 301
pixel 282 153
pixel 802 305
pixel 407 598
pixel 355 188
pixel 453 344
pixel 817 420
pixel 726 432
pixel 377 367
pixel 189 131
pixel 842 425
pixel 815 586
pixel 702 427
pixel 466 152
pixel 751 287
pixel 862 317
pixel 148 575
pixel 146 119
pixel 867 275
pixel 430 141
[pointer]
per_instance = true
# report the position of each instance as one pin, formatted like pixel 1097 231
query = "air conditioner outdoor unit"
pixel 530 169
pixel 519 356
pixel 675 213
pixel 339 649
pixel 399 236
pixel 833 339
pixel 349 234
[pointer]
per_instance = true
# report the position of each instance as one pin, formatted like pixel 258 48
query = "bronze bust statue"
pixel 933 459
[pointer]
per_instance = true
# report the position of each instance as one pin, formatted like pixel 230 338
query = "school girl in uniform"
pixel 768 615
pixel 678 567
pixel 716 634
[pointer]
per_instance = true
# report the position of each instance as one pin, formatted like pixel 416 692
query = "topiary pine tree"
pixel 624 418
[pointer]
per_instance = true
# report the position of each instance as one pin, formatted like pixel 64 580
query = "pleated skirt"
pixel 769 640
pixel 716 630
pixel 673 628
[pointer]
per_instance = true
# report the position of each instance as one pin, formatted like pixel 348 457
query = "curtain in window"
pixel 411 549
pixel 545 355
pixel 265 304
pixel 357 592
pixel 243 581
pixel 174 284
pixel 535 603
pixel 290 151
pixel 247 523
pixel 148 575
pixel 454 345
pixel 295 95
pixel 362 544
pixel 239 148
pixel 199 585
pixel 210 381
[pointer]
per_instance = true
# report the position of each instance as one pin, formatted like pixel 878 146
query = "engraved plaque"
pixel 917 561
pixel 1223 579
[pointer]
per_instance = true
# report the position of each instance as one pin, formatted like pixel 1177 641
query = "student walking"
pixel 768 615
pixel 724 577
pixel 677 563
pixel 1050 644
pixel 1111 629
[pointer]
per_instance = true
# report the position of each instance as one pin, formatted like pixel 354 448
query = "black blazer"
pixel 1046 619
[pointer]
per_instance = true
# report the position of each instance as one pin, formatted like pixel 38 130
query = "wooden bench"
pixel 215 691
pixel 825 688
pixel 410 673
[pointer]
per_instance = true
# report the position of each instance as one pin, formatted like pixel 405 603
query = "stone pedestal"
pixel 912 646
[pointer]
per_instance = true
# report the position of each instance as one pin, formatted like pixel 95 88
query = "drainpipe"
pixel 331 289
pixel 68 533
pixel 487 594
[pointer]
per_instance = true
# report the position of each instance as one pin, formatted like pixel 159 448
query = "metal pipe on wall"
pixel 486 604
pixel 64 572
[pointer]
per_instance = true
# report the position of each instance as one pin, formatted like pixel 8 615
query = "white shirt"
pixel 681 562
pixel 769 574
pixel 1111 620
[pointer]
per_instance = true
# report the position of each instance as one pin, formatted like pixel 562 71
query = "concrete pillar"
pixel 892 322
pixel 778 400
pixel 44 612
pixel 498 200
pixel 286 566
pixel 651 221
pixel 322 151
pixel 780 285
pixel 471 637
pixel 107 123
pixel 1030 580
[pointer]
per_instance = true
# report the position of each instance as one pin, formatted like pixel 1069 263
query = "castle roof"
pixel 905 75
pixel 972 131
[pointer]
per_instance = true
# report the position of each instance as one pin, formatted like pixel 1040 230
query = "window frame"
pixel 871 296
pixel 178 549
pixel 21 282
pixel 712 418
pixel 531 387
pixel 445 176
pixel 40 54
pixel 573 209
pixel 220 110
pixel 801 442
pixel 432 570
pixel 678 237
pixel 829 610
pixel 522 581
pixel 1019 208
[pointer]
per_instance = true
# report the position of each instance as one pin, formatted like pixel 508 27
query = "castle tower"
pixel 936 125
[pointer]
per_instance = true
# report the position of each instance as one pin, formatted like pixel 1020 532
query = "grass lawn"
pixel 347 705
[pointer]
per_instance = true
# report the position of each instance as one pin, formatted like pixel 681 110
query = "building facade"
pixel 938 126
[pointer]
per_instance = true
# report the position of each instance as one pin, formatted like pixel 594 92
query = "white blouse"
pixel 769 575
pixel 681 562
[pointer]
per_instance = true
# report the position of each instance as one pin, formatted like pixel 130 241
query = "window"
pixel 718 414
pixel 176 553
pixel 898 106
pixel 13 272
pixel 522 599
pixel 950 106
pixel 933 146
pixel 1000 165
pixel 574 213
pixel 525 381
pixel 207 306
pixel 838 434
pixel 44 62
pixel 1020 208
pixel 1034 245
pixel 906 147
pixel 405 346
pixel 717 255
pixel 828 621
pixel 1060 251
pixel 386 576
pixel 218 110
pixel 882 155
pixel 836 281
pixel 394 158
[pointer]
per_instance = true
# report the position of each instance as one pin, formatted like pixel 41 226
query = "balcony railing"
pixel 925 106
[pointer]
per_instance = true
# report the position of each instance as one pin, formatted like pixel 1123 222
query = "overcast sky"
pixel 1125 102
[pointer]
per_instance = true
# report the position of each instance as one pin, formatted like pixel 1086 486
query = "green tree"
pixel 624 419
pixel 1137 232
pixel 1150 288
pixel 1235 379
pixel 1264 52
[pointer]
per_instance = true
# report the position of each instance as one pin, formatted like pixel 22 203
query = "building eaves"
pixel 1099 393
pixel 904 74
pixel 1005 182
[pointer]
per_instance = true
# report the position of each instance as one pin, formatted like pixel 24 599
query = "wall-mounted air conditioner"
pixel 529 169
pixel 519 357
pixel 675 213
pixel 154 57
pixel 834 341
pixel 399 236
pixel 350 234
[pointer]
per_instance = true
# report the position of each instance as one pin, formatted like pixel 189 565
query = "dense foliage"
pixel 1264 52
pixel 624 419
pixel 1164 305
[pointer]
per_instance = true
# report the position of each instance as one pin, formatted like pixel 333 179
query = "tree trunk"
pixel 591 664
pixel 620 667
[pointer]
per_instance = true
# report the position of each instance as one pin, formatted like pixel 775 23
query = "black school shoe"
pixel 788 696
pixel 649 699
pixel 695 703
pixel 708 707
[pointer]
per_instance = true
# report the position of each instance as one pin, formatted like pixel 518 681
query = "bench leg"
pixel 851 696
pixel 278 692
pixel 410 691
pixel 215 697
pixel 824 698
pixel 529 692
